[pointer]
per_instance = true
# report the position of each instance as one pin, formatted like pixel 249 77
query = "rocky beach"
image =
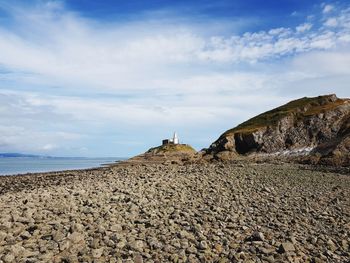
pixel 186 131
pixel 204 212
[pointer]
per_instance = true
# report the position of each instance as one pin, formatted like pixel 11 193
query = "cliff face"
pixel 335 151
pixel 318 126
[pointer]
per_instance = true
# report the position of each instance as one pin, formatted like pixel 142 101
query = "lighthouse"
pixel 175 138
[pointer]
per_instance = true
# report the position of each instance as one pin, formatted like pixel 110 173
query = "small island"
pixel 171 151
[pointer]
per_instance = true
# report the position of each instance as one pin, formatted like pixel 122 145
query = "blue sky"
pixel 113 78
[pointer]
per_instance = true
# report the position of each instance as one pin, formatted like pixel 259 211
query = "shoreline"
pixel 102 165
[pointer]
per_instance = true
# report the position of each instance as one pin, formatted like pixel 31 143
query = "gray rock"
pixel 64 245
pixel 203 245
pixel 137 245
pixel 116 228
pixel 191 249
pixel 3 236
pixel 9 258
pixel 286 247
pixel 97 253
pixel 138 259
pixel 121 244
pixel 331 245
pixel 58 236
pixel 257 236
pixel 76 237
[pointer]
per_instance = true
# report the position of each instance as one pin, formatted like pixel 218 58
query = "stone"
pixel 77 227
pixel 203 245
pixel 121 244
pixel 266 251
pixel 9 258
pixel 293 240
pixel 64 245
pixel 192 249
pixel 257 236
pixel 345 244
pixel 58 236
pixel 76 237
pixel 286 247
pixel 116 228
pixel 17 250
pixel 137 245
pixel 95 243
pixel 138 259
pixel 97 253
pixel 3 236
pixel 25 235
pixel 331 245
pixel 218 247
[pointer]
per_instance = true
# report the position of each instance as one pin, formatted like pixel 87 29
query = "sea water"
pixel 22 165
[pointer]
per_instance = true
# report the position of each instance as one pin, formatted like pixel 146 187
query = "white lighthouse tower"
pixel 175 138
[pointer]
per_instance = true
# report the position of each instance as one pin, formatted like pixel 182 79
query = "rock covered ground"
pixel 172 213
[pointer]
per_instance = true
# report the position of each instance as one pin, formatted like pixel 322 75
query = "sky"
pixel 114 78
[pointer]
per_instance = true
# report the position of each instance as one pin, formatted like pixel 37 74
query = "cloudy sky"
pixel 113 78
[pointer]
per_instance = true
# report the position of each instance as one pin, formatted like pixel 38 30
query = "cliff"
pixel 317 127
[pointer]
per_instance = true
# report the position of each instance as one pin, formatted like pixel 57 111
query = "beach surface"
pixel 234 212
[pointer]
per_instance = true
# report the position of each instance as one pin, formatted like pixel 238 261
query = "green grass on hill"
pixel 300 108
pixel 172 148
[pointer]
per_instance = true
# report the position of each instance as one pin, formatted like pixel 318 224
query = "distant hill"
pixel 14 155
pixel 317 127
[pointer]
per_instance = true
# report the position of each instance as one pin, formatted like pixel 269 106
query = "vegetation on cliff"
pixel 299 109
pixel 315 127
pixel 172 148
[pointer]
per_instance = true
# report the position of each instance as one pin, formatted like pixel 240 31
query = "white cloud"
pixel 331 22
pixel 18 138
pixel 327 9
pixel 323 64
pixel 303 27
pixel 153 77
pixel 60 48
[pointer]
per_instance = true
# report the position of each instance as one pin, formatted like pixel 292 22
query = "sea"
pixel 23 165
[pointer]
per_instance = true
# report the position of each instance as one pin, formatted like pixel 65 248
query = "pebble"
pixel 97 253
pixel 8 258
pixel 257 236
pixel 76 237
pixel 138 259
pixel 203 245
pixel 286 247
pixel 137 245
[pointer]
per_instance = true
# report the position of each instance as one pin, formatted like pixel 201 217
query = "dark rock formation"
pixel 316 127
pixel 335 151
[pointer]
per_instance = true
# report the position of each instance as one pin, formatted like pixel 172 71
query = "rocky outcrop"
pixel 169 153
pixel 316 127
pixel 335 151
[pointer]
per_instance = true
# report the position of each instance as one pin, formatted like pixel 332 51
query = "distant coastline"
pixel 24 155
pixel 18 155
pixel 23 164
